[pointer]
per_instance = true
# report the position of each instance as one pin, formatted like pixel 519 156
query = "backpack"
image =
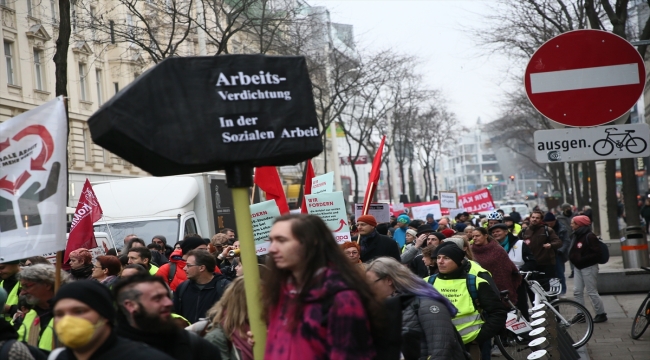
pixel 604 252
pixel 471 287
pixel 172 272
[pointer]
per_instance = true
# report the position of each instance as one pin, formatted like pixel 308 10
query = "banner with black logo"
pixel 195 114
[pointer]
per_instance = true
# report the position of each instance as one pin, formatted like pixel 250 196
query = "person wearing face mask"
pixel 84 319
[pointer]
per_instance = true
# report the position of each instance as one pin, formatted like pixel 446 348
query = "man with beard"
pixel 543 242
pixel 373 244
pixel 37 285
pixel 84 321
pixel 9 282
pixel 146 315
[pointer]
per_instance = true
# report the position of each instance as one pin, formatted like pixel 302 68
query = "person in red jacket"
pixel 173 272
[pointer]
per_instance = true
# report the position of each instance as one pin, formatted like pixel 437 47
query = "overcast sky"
pixel 438 32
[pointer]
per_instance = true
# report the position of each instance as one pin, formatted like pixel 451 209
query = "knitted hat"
pixel 549 217
pixel 191 243
pixel 452 251
pixel 91 293
pixel 456 240
pixel 448 232
pixel 368 219
pixel 565 206
pixel 439 235
pixel 405 219
pixel 413 232
pixel 582 220
pixel 429 216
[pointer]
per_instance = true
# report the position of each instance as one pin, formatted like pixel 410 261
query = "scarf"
pixel 506 244
pixel 493 258
pixel 83 272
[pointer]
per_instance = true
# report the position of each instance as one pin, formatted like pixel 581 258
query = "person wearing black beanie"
pixel 84 318
pixel 466 291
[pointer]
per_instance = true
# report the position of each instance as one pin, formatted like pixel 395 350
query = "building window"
pixel 98 82
pixel 83 85
pixel 38 69
pixel 53 7
pixel 116 86
pixel 9 57
pixel 88 146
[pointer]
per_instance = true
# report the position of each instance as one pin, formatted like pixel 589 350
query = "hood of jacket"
pixel 177 258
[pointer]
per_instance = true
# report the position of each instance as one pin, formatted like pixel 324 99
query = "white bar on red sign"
pixel 588 78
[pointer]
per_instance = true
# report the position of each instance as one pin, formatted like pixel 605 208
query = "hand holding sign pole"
pixel 247 111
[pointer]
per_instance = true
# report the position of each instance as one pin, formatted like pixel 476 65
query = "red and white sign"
pixel 33 181
pixel 476 201
pixel 585 78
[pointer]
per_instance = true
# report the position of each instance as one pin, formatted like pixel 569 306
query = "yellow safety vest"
pixel 30 329
pixel 153 269
pixel 176 316
pixel 468 321
pixel 476 268
pixel 516 230
pixel 12 297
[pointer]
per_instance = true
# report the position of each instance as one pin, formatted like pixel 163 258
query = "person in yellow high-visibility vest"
pixel 481 315
pixel 142 256
pixel 37 285
pixel 9 282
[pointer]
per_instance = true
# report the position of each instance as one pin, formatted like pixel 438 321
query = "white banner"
pixel 381 212
pixel 33 182
pixel 420 212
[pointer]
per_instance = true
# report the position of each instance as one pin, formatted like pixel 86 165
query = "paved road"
pixel 611 339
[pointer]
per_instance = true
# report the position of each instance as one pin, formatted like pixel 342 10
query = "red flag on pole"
pixel 88 211
pixel 267 178
pixel 373 179
pixel 309 174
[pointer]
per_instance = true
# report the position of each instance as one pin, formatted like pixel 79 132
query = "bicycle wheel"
pixel 576 321
pixel 603 147
pixel 636 145
pixel 641 319
pixel 513 346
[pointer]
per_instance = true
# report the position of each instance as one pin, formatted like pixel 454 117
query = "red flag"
pixel 267 178
pixel 81 231
pixel 373 179
pixel 309 174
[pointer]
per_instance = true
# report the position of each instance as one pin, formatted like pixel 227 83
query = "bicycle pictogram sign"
pixel 634 145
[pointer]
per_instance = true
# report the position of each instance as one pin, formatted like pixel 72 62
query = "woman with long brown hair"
pixel 318 303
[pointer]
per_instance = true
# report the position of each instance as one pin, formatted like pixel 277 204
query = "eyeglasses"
pixel 190 265
pixel 351 253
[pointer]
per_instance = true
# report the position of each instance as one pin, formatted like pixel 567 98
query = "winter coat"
pixel 585 249
pixel 645 213
pixel 418 267
pixel 563 234
pixel 115 347
pixel 409 253
pixel 430 321
pixel 333 323
pixel 565 220
pixel 178 343
pixel 376 245
pixel 493 258
pixel 535 237
pixel 180 275
pixel 193 303
pixel 218 338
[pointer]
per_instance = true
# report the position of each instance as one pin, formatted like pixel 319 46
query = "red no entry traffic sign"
pixel 585 78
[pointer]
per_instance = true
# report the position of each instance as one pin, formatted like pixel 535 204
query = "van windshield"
pixel 145 230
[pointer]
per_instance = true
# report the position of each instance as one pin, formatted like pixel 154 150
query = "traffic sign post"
pixel 596 143
pixel 585 78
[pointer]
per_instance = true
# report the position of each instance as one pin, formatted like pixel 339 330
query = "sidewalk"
pixel 611 339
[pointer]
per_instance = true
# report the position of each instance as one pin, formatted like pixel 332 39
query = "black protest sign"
pixel 194 114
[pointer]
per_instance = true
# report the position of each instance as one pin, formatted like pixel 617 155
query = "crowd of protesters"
pixel 408 289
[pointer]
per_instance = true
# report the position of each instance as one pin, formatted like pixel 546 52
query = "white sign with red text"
pixel 331 208
pixel 262 216
pixel 322 183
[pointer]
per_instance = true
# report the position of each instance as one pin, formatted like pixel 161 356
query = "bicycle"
pixel 635 145
pixel 570 315
pixel 642 316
